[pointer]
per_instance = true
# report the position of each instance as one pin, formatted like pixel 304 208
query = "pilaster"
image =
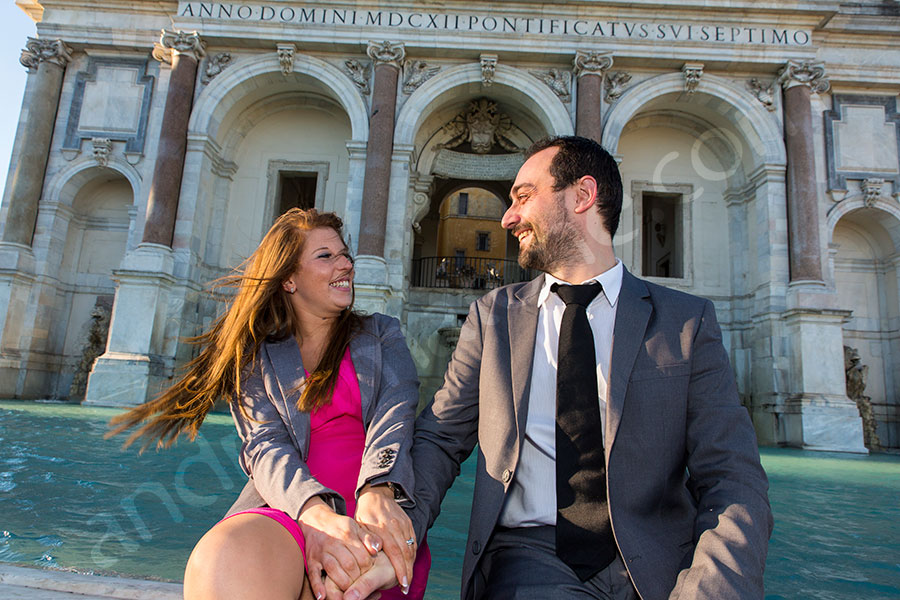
pixel 817 414
pixel 133 368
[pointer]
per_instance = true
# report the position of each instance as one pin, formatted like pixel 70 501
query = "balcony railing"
pixel 467 273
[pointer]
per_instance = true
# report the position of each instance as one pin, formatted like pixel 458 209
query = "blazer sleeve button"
pixel 476 547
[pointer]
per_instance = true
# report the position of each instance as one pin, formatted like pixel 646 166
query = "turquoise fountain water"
pixel 70 499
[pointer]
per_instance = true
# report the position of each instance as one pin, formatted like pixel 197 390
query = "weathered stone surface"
pixel 378 159
pixel 803 206
pixel 28 178
pixel 162 204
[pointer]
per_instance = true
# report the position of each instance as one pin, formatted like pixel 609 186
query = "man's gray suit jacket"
pixel 687 494
pixel 275 434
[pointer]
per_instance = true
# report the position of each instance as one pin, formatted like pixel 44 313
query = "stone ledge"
pixel 88 585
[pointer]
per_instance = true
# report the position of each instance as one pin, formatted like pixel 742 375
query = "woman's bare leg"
pixel 246 557
pixel 307 591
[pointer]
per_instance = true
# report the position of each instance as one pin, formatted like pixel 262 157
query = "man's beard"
pixel 554 244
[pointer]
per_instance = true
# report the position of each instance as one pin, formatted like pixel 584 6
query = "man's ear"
pixel 585 193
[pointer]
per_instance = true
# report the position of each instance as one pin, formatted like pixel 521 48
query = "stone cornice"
pixel 32 8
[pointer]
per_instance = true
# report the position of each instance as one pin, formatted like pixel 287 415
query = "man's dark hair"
pixel 578 157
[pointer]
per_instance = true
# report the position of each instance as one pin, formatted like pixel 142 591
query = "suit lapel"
pixel 632 316
pixel 523 318
pixel 288 366
pixel 365 351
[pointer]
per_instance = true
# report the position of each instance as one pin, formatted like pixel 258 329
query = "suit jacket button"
pixel 507 475
pixel 476 547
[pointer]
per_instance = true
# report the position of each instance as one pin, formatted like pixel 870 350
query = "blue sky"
pixel 15 27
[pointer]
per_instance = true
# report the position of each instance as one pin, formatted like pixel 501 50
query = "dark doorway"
pixel 296 190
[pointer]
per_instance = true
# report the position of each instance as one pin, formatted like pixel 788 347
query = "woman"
pixel 324 401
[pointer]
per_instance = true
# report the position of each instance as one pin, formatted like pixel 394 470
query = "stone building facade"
pixel 759 145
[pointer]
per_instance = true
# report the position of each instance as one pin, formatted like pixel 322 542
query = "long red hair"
pixel 260 309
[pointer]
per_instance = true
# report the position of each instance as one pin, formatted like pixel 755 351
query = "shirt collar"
pixel 611 280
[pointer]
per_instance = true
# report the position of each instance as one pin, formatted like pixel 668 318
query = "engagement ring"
pixel 410 541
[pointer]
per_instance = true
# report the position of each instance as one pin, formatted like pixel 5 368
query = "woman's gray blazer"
pixel 276 437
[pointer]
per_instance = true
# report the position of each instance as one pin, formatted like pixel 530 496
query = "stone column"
pixel 46 61
pixel 799 81
pixel 140 351
pixel 388 58
pixel 590 68
pixel 183 51
pixel 816 412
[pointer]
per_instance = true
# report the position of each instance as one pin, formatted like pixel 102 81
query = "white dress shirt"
pixel 532 493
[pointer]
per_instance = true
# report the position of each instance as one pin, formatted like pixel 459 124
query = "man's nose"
pixel 510 218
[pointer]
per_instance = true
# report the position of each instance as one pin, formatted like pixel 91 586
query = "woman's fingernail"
pixel 405 582
pixel 352 595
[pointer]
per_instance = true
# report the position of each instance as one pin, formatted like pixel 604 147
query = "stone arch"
pixel 227 90
pixel 66 184
pixel 515 84
pixel 721 142
pixel 270 106
pixel 854 203
pixel 454 185
pixel 760 128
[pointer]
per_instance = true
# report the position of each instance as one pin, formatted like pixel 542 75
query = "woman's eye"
pixel 325 255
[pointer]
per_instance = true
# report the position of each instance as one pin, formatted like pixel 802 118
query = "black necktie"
pixel 584 538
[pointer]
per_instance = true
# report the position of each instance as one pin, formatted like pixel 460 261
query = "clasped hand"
pixel 349 559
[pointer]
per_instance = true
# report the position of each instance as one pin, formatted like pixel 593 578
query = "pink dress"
pixel 336 443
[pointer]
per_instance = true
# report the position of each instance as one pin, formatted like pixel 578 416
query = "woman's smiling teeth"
pixel 341 283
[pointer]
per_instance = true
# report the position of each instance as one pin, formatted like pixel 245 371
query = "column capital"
pixel 810 74
pixel 387 53
pixel 177 42
pixel 592 63
pixel 39 50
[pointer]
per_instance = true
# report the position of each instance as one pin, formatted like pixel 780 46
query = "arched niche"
pixel 679 163
pixel 267 131
pixel 511 86
pixel 716 96
pixel 279 142
pixel 864 257
pixel 252 79
pixel 100 203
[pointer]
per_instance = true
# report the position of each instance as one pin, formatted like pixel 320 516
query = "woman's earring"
pixel 290 288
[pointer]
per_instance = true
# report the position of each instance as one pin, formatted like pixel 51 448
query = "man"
pixel 651 486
